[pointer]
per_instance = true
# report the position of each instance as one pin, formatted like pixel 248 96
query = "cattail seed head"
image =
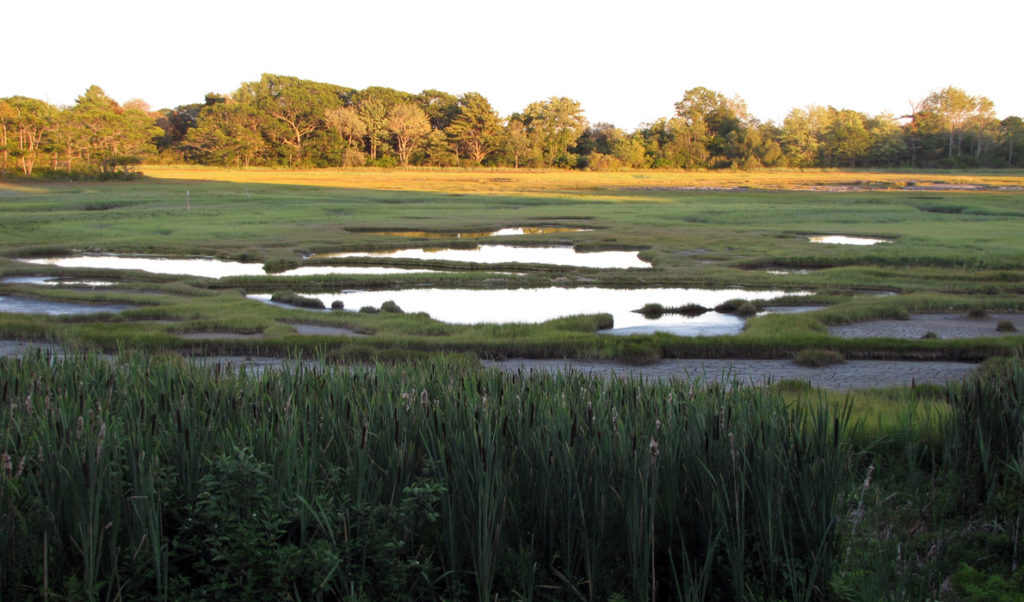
pixel 867 477
pixel 5 465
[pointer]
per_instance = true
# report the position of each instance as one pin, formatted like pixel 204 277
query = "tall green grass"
pixel 152 477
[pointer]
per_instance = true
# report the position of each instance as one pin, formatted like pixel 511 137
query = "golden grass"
pixel 509 181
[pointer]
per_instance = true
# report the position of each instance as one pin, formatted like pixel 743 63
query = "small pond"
pixel 838 239
pixel 534 305
pixel 25 305
pixel 204 267
pixel 523 231
pixel 52 281
pixel 566 256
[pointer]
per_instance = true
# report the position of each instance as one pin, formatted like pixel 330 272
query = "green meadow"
pixel 955 247
pixel 379 460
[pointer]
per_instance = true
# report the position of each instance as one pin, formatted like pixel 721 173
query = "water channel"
pixel 534 305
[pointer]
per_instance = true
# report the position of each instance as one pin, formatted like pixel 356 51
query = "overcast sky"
pixel 626 61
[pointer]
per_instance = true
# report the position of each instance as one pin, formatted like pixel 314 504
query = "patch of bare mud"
pixel 330 331
pixel 857 374
pixel 946 326
pixel 218 336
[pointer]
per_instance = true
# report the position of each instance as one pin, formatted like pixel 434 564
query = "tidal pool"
pixel 534 305
pixel 24 305
pixel 522 231
pixel 566 256
pixel 52 281
pixel 206 268
pixel 839 239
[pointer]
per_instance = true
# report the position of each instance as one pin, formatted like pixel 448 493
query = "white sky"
pixel 626 61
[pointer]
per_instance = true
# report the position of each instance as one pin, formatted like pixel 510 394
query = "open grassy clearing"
pixel 952 251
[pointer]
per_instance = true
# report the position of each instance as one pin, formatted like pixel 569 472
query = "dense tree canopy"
pixel 287 121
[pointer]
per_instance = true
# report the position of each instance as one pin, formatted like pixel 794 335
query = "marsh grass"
pixel 154 477
pixel 708 238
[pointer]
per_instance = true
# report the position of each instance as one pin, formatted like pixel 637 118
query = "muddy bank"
pixel 946 326
pixel 859 374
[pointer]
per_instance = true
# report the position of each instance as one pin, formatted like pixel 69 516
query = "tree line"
pixel 287 121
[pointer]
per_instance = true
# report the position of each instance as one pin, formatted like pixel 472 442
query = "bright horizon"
pixel 625 65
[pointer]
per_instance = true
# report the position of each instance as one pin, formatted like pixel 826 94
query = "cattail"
pixel 867 478
pixel 5 465
pixel 362 441
pixel 654 449
pixel 21 468
pixel 100 439
pixel 79 428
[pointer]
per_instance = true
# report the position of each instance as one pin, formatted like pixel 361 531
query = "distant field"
pixel 955 246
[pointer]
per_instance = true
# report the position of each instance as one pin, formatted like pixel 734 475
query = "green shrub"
pixel 1005 326
pixel 929 335
pixel 390 307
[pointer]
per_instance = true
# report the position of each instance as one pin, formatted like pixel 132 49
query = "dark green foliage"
pixel 390 307
pixel 654 310
pixel 151 478
pixel 1005 326
pixel 986 436
pixel 297 300
pixel 976 586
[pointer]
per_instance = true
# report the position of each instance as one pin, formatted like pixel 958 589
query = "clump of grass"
pixel 654 310
pixel 279 265
pixel 929 335
pixel 369 309
pixel 338 304
pixel 740 307
pixel 730 306
pixel 818 358
pixel 390 307
pixel 791 386
pixel 691 309
pixel 297 300
pixel 977 313
pixel 746 310
pixel 1005 326
pixel 637 353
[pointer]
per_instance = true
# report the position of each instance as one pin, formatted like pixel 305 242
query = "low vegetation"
pixel 152 477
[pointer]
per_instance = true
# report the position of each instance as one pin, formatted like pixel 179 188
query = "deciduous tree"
pixel 409 124
pixel 476 128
